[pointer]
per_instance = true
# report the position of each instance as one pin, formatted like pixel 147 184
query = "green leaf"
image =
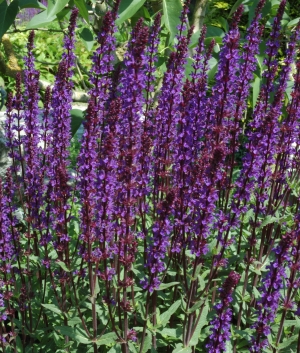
pixel 249 215
pixel 76 120
pixel 213 31
pixel 167 285
pixel 2 94
pixel 171 332
pixel 293 22
pixel 63 13
pixel 218 40
pixel 54 7
pixel 180 349
pixel 147 342
pixel 8 14
pixel 201 323
pixel 97 287
pixel 132 347
pixel 171 11
pixel 235 6
pixel 33 4
pixel 19 344
pixel 76 333
pixel 288 323
pixel 201 282
pixel 88 38
pixel 289 341
pixel 165 317
pixel 116 349
pixel 195 306
pixel 256 293
pixel 256 89
pixel 63 266
pixel 198 269
pixel 127 9
pixel 2 83
pixel 53 308
pixel 261 56
pixel 107 339
pixel 212 72
pixel 81 5
pixel 224 24
pixel 268 220
pixel 229 347
pixel 74 321
pixel 40 20
pixel 252 9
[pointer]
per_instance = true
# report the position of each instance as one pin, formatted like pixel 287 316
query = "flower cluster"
pixel 171 184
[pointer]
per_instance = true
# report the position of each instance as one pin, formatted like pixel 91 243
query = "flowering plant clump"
pixel 179 229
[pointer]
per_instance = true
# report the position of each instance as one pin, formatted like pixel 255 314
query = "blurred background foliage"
pixel 50 18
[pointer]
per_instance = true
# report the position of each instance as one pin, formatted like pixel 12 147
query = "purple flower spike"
pixel 33 181
pixel 96 182
pixel 58 152
pixel 221 323
pixel 87 165
pixel 270 294
pixel 160 243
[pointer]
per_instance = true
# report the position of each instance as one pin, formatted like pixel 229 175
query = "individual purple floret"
pixel 221 323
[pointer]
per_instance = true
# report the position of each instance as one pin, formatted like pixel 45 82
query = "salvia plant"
pixel 177 229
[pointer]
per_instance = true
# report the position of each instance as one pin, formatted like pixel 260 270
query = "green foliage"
pixel 74 151
pixel 128 8
pixel 8 14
